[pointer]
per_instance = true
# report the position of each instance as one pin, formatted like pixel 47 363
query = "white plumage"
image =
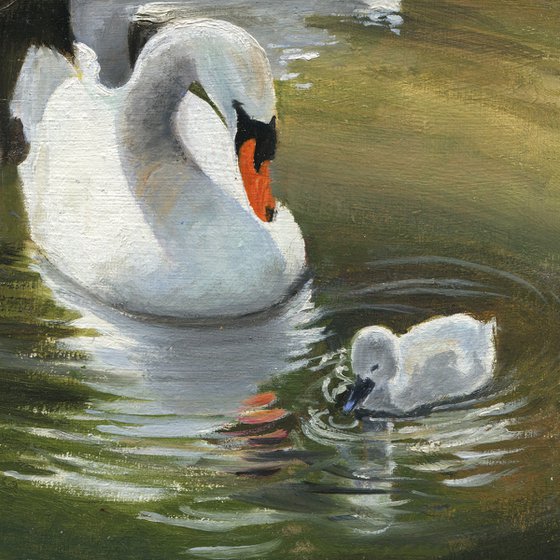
pixel 440 360
pixel 135 192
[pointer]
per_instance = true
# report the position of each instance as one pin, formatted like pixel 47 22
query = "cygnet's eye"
pixel 373 368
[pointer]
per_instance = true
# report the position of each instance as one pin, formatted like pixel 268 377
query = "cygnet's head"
pixel 374 359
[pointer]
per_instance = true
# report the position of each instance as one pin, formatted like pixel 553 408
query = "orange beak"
pixel 257 183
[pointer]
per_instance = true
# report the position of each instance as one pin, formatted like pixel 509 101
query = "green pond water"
pixel 422 167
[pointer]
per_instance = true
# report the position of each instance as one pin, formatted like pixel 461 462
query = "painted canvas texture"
pixel 278 279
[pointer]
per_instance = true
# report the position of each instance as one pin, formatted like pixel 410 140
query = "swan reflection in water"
pixel 178 380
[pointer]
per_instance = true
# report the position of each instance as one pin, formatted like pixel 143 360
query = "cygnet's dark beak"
pixel 360 390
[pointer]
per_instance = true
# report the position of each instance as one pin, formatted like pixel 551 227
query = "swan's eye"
pixel 374 368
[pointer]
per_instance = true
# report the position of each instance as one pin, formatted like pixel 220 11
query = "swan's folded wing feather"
pixel 444 358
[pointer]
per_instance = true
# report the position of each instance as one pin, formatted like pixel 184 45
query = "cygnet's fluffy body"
pixel 440 360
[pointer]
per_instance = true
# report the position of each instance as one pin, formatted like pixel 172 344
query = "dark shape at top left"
pixel 24 23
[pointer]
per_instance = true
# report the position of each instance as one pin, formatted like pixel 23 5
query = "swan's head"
pixel 235 73
pixel 231 72
pixel 255 145
pixel 375 359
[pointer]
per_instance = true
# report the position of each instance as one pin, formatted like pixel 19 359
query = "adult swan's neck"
pixel 166 134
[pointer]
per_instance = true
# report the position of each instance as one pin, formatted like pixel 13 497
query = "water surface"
pixel 418 152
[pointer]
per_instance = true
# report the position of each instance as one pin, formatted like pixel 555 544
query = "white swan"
pixel 150 197
pixel 442 359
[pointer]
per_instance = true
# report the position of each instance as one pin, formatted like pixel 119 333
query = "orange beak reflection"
pixel 257 183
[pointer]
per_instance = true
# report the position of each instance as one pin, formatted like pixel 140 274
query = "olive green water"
pixel 423 170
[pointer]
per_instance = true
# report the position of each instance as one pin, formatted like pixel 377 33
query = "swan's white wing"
pixel 82 212
pixel 444 358
pixel 444 335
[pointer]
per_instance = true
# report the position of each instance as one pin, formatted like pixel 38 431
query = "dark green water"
pixel 422 168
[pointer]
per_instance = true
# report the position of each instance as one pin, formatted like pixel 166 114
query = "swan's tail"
pixel 43 71
pixel 490 329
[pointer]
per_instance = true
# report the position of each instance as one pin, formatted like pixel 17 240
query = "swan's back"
pixel 444 359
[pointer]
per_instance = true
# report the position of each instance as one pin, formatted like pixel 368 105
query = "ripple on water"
pixel 296 462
